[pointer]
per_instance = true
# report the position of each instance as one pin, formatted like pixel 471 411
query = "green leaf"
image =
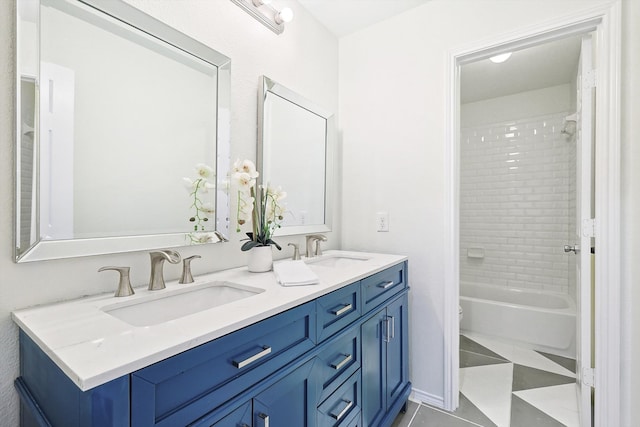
pixel 271 242
pixel 248 245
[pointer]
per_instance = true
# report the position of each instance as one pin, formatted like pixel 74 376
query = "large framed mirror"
pixel 296 141
pixel 120 118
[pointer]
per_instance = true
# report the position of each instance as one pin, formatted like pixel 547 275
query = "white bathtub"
pixel 544 321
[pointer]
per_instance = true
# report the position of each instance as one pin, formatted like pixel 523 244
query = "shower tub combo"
pixel 544 321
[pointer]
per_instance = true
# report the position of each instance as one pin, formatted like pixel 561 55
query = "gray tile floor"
pixel 523 414
pixel 420 415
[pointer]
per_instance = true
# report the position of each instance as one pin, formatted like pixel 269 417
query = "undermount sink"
pixel 336 261
pixel 166 306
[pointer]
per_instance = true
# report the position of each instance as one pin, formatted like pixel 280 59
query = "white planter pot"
pixel 260 259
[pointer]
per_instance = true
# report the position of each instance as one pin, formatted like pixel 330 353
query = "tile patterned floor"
pixel 504 385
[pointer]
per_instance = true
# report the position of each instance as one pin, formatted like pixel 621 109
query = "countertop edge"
pixel 91 380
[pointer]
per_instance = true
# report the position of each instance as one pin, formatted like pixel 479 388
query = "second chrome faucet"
pixel 156 281
pixel 314 238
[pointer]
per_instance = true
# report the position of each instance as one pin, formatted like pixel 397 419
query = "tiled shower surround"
pixel 516 195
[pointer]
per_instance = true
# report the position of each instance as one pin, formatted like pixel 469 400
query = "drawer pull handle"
pixel 265 419
pixel 344 411
pixel 347 358
pixel 341 311
pixel 386 285
pixel 265 350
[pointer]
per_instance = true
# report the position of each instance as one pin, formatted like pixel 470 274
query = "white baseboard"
pixel 428 398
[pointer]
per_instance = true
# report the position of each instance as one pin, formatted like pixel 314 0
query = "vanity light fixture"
pixel 500 58
pixel 262 10
pixel 285 15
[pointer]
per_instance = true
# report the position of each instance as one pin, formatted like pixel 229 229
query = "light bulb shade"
pixel 285 15
pixel 258 3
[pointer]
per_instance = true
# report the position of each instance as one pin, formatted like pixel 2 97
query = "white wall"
pixel 630 221
pixel 392 84
pixel 392 116
pixel 517 139
pixel 514 203
pixel 304 58
pixel 532 103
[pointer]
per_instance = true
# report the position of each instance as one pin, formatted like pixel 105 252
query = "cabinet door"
pixel 240 417
pixel 396 322
pixel 290 401
pixel 374 360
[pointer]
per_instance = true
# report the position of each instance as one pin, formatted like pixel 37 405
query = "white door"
pixel 584 228
pixel 56 151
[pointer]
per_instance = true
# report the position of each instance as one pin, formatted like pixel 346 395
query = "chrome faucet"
pixel 187 277
pixel 156 281
pixel 296 252
pixel 124 285
pixel 314 238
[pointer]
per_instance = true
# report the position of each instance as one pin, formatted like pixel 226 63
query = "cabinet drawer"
pixel 338 309
pixel 337 362
pixel 339 408
pixel 383 285
pixel 184 387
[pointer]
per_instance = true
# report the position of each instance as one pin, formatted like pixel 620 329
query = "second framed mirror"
pixel 295 152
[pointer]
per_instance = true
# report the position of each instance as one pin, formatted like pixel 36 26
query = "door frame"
pixel 604 21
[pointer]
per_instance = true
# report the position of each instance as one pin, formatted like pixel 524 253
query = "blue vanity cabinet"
pixel 379 287
pixel 385 383
pixel 385 359
pixel 397 352
pixel 183 388
pixel 290 401
pixel 239 417
pixel 343 405
pixel 374 362
pixel 49 398
pixel 337 309
pixel 340 360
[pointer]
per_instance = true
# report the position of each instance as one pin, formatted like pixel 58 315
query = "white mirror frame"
pixel 71 248
pixel 269 86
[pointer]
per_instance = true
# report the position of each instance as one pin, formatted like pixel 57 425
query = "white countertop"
pixel 93 347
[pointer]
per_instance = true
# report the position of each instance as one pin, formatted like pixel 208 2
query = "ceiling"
pixel 550 64
pixel 538 67
pixel 343 17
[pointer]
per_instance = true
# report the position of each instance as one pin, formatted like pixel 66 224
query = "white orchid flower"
pixel 244 181
pixel 276 193
pixel 246 166
pixel 204 171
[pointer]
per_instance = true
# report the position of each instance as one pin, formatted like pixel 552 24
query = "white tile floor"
pixel 504 385
pixel 489 387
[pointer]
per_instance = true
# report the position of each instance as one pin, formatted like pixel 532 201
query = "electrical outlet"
pixel 382 221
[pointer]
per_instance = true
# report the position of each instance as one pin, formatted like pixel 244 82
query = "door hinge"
pixel 589 377
pixel 589 227
pixel 589 79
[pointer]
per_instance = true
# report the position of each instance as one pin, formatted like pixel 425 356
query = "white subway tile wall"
pixel 516 190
